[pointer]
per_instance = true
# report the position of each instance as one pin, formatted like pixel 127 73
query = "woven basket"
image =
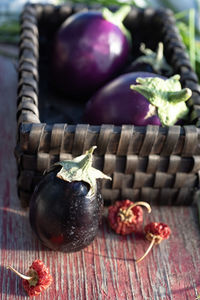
pixel 155 164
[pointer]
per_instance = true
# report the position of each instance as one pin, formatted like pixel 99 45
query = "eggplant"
pixel 66 206
pixel 88 50
pixel 139 98
pixel 150 61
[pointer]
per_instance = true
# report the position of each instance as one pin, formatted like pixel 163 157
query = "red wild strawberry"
pixel 37 278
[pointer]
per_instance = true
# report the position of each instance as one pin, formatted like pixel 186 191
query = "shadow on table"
pixel 112 243
pixel 10 284
pixel 18 235
pixel 186 289
pixel 16 232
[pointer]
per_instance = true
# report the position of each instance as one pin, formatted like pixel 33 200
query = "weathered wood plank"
pixel 105 269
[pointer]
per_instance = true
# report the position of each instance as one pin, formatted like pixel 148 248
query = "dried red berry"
pixel 155 232
pixel 37 278
pixel 125 217
pixel 159 230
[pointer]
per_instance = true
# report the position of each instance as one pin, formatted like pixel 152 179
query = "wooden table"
pixel 105 269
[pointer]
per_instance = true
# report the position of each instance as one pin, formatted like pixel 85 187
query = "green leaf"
pixel 192 37
pixel 188 32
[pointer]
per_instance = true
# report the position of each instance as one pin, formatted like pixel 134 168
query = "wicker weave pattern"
pixel 151 163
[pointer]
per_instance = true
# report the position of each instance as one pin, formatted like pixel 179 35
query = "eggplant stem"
pixel 159 55
pixel 180 96
pixel 19 274
pixel 147 251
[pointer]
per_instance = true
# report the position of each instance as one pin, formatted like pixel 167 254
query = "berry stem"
pixel 19 274
pixel 140 203
pixel 147 251
pixel 127 214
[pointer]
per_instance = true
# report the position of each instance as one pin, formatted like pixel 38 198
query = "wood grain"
pixel 106 268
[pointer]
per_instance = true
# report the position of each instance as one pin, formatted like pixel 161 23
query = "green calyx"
pixel 117 18
pixel 80 169
pixel 166 95
pixel 155 59
pixel 34 277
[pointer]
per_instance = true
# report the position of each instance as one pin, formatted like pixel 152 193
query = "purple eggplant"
pixel 66 206
pixel 139 98
pixel 89 49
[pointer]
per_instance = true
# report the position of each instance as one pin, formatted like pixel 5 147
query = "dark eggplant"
pixel 66 206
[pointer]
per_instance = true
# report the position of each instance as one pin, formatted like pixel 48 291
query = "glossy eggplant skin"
pixel 107 107
pixel 62 214
pixel 88 51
